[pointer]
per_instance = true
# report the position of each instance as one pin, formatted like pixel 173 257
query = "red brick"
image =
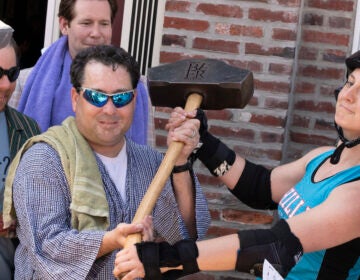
pixel 328 90
pixel 313 19
pixel 278 87
pixel 325 38
pixel 160 123
pixel 187 24
pixel 215 214
pixel 207 179
pixel 271 137
pixel 248 31
pixel 239 132
pixel 306 138
pixel 305 87
pixel 297 150
pixel 160 141
pixel 301 121
pixel 276 68
pixel 252 48
pixel 308 53
pixel 313 106
pixel 216 45
pixel 272 16
pixel 173 40
pixel 177 6
pixel 254 152
pixel 220 10
pixel 284 34
pixel 254 101
pixel 252 65
pixel 340 22
pixel 320 73
pixel 224 114
pixel 322 124
pixel 337 56
pixel 246 217
pixel 276 103
pixel 336 5
pixel 290 3
pixel 167 57
pixel 268 120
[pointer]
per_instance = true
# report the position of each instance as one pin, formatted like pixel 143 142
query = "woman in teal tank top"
pixel 317 198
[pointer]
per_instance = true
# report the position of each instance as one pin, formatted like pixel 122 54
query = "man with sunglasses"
pixel 15 129
pixel 75 185
pixel 45 94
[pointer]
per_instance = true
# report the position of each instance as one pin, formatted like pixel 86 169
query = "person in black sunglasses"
pixel 15 129
pixel 45 94
pixel 76 185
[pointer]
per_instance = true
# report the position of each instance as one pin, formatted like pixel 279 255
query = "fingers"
pixel 186 132
pixel 127 261
pixel 148 231
pixel 178 116
pixel 121 232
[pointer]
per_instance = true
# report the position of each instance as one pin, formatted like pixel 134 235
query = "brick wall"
pixel 295 50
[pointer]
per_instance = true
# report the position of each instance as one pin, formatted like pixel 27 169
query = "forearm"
pixel 108 244
pixel 184 191
pixel 223 252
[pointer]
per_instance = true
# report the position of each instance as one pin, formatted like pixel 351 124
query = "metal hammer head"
pixel 221 85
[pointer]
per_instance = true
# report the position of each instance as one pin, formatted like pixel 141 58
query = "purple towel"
pixel 46 95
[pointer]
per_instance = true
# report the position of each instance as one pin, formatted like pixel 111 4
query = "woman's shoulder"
pixel 316 152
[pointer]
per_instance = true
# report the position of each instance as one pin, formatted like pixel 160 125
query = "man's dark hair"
pixel 66 9
pixel 106 55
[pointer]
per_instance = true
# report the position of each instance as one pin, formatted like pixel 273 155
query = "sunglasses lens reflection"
pixel 99 99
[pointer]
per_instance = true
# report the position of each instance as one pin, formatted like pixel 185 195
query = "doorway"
pixel 27 18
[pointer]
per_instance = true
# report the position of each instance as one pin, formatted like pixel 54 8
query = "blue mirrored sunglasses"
pixel 99 99
pixel 12 73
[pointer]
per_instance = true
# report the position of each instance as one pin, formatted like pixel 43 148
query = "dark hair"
pixel 107 55
pixel 66 9
pixel 352 62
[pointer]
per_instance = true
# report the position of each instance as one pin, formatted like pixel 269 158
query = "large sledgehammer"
pixel 192 83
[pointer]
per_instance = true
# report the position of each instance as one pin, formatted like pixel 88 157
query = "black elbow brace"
pixel 278 245
pixel 213 153
pixel 254 187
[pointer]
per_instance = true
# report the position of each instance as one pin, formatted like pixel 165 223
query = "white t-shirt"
pixel 117 167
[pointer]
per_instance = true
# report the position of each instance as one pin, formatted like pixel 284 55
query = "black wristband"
pixel 181 168
pixel 155 255
pixel 216 156
pixel 149 255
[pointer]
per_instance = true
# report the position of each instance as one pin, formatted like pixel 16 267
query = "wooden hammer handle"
pixel 152 194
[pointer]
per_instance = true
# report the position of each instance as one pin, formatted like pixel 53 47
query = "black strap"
pixel 148 253
pixel 155 255
pixel 181 168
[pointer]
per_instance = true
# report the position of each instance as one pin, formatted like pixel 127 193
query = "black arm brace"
pixel 254 187
pixel 278 245
pixel 156 255
pixel 213 153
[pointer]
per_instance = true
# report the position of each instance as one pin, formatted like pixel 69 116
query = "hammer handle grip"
pixel 156 186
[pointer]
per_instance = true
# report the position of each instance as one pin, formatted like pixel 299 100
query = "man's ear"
pixel 63 25
pixel 74 98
